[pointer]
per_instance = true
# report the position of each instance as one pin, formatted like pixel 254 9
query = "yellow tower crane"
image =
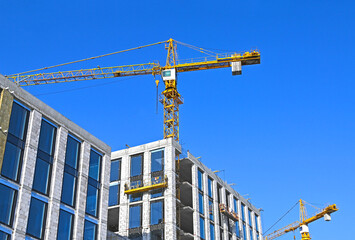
pixel 171 98
pixel 304 221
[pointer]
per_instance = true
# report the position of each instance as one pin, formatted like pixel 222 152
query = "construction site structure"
pixel 54 175
pixel 157 192
pixel 302 224
pixel 170 98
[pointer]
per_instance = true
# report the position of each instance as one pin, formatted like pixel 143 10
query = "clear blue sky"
pixel 283 130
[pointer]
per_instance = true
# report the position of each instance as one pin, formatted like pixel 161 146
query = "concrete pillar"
pixel 56 184
pixel 170 193
pixel 124 209
pixel 104 192
pixel 79 219
pixel 6 100
pixel 27 173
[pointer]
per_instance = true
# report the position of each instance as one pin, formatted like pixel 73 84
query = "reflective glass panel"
pixel 237 231
pixel 136 165
pixel 18 121
pixel 249 215
pixel 11 162
pixel 211 231
pixel 202 227
pixel 256 222
pixel 92 200
pixel 95 165
pixel 113 195
pixel 90 230
pixel 235 205
pixel 156 212
pixel 243 214
pixel 6 204
pixel 41 177
pixel 68 189
pixel 210 204
pixel 135 216
pixel 47 138
pixel 200 203
pixel 156 193
pixel 251 234
pixel 135 197
pixel 36 218
pixel 65 225
pixel 200 182
pixel 4 236
pixel 72 152
pixel 244 232
pixel 157 160
pixel 115 170
pixel 210 194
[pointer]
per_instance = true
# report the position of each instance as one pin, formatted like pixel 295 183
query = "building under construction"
pixel 156 195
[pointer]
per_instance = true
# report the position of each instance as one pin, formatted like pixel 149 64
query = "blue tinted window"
pixel 68 189
pixel 244 232
pixel 243 214
pixel 156 212
pixel 200 203
pixel 95 165
pixel 47 138
pixel 135 197
pixel 249 215
pixel 41 176
pixel 136 165
pixel 251 234
pixel 256 222
pixel 115 170
pixel 210 203
pixel 235 205
pixel 18 121
pixel 72 152
pixel 92 200
pixel 65 225
pixel 11 162
pixel 113 195
pixel 4 236
pixel 156 193
pixel 7 204
pixel 36 218
pixel 210 194
pixel 237 231
pixel 200 182
pixel 157 158
pixel 135 216
pixel 90 230
pixel 211 231
pixel 202 227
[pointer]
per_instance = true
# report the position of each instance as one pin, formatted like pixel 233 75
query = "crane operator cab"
pixel 169 74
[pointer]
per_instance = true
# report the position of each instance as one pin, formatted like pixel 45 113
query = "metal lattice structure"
pixel 171 98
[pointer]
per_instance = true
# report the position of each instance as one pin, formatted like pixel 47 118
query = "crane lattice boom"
pixel 171 97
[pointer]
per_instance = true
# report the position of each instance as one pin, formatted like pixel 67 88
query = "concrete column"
pixel 124 209
pixel 56 184
pixel 6 100
pixel 170 193
pixel 79 220
pixel 196 214
pixel 145 197
pixel 104 192
pixel 28 167
pixel 216 211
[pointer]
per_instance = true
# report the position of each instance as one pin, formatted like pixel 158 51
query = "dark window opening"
pixel 113 219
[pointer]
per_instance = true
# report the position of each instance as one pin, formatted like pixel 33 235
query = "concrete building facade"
pixel 54 175
pixel 156 195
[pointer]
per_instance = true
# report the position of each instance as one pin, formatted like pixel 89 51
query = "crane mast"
pixel 170 98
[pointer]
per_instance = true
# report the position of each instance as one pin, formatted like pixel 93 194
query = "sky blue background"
pixel 283 130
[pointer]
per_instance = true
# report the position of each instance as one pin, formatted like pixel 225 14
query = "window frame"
pixel 162 211
pixel 96 228
pixel 72 223
pixel 141 215
pixel 162 161
pixel 142 164
pixel 13 207
pixel 20 142
pixel 44 218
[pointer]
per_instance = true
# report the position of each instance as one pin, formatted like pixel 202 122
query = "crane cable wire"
pixel 281 218
pixel 91 58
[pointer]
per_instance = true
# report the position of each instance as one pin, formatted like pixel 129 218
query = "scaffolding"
pixel 144 186
pixel 227 212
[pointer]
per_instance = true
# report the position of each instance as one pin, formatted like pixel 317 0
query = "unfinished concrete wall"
pixel 6 100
